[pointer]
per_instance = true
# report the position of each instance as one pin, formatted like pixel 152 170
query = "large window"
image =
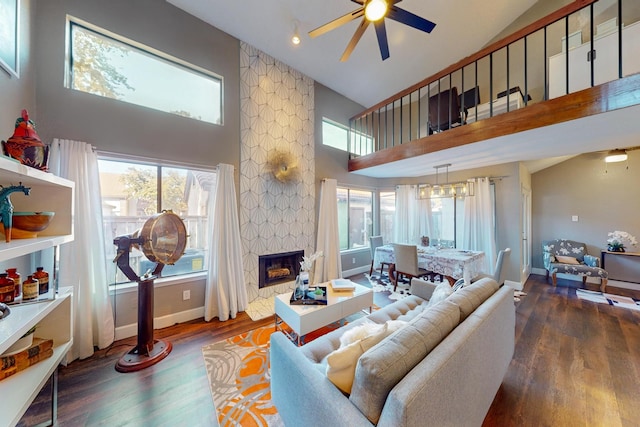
pixel 355 217
pixel 338 136
pixel 448 220
pixel 105 64
pixel 133 192
pixel 387 214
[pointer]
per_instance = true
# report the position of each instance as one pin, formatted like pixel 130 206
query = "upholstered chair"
pixel 406 264
pixel 375 242
pixel 498 272
pixel 571 257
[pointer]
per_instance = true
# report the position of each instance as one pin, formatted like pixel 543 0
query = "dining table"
pixel 452 263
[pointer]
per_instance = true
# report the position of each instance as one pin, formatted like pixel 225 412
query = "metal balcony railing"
pixel 582 45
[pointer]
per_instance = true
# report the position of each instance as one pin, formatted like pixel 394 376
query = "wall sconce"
pixel 446 190
pixel 617 155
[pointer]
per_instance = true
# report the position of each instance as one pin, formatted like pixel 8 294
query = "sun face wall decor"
pixel 283 166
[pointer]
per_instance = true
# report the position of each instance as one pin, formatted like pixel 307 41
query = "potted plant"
pixel 617 240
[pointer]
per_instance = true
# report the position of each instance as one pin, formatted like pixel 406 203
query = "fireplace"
pixel 278 268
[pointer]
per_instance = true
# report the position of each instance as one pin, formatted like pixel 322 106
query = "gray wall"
pixel 604 197
pixel 332 163
pixel 17 94
pixel 120 127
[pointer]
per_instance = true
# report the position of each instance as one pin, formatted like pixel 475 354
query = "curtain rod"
pixel 491 178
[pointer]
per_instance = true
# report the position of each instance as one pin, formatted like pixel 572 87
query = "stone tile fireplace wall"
pixel 277 116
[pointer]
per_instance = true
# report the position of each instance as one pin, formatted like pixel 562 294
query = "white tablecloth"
pixel 450 262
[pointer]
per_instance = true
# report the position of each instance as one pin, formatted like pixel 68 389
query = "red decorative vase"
pixel 25 144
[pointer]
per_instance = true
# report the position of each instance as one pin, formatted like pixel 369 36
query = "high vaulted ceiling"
pixel 462 27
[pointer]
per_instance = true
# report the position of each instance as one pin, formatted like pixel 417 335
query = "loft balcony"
pixel 566 84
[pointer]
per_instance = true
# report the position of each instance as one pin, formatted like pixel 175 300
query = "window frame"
pixel 159 165
pixel 144 49
pixel 369 228
pixel 349 142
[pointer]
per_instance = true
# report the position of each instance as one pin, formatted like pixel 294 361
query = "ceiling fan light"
pixel 616 156
pixel 295 39
pixel 375 10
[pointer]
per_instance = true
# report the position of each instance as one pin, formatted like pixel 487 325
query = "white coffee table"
pixel 303 319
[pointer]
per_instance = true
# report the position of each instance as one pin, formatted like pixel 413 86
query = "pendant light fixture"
pixel 447 189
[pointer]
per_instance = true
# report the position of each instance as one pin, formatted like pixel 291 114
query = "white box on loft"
pixel 607 27
pixel 575 40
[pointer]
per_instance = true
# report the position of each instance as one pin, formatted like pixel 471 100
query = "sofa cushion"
pixel 470 297
pixel 341 363
pixel 383 366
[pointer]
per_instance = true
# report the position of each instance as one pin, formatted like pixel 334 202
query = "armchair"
pixel 570 257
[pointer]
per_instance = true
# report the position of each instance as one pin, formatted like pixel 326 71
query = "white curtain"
pixel 83 261
pixel 412 216
pixel 425 218
pixel 328 266
pixel 479 227
pixel 226 293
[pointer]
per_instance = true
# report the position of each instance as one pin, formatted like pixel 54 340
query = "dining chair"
pixel 498 271
pixel 375 242
pixel 406 264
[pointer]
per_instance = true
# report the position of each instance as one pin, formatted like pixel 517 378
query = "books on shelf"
pixel 40 349
pixel 342 285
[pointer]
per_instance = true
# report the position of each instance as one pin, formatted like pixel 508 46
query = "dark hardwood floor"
pixel 576 363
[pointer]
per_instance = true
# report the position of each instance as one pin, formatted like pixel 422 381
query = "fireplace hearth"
pixel 274 269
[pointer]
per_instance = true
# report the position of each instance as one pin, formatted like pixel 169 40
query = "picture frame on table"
pixel 9 36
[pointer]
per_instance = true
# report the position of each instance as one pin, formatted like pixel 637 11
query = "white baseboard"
pixel 131 330
pixel 514 285
pixel 611 282
pixel 357 270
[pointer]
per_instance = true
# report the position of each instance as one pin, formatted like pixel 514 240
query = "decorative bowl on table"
pixel 27 225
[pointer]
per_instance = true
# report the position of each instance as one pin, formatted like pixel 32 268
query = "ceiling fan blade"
pixel 360 2
pixel 410 19
pixel 381 32
pixel 354 40
pixel 337 22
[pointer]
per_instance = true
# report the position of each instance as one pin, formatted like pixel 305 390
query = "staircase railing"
pixel 578 46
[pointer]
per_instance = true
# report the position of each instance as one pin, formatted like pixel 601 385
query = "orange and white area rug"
pixel 238 371
pixel 239 378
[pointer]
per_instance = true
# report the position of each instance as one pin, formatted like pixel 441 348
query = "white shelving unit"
pixel 53 317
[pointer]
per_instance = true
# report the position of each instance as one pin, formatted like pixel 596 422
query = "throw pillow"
pixel 567 260
pixel 359 332
pixel 341 363
pixel 441 292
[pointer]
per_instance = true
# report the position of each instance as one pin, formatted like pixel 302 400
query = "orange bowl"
pixel 29 224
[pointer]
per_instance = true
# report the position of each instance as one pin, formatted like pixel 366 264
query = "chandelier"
pixel 445 190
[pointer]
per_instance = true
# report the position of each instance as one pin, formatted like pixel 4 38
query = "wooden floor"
pixel 576 363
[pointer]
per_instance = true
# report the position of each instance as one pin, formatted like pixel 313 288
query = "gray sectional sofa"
pixel 442 369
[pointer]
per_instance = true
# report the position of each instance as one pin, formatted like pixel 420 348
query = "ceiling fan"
pixel 375 11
